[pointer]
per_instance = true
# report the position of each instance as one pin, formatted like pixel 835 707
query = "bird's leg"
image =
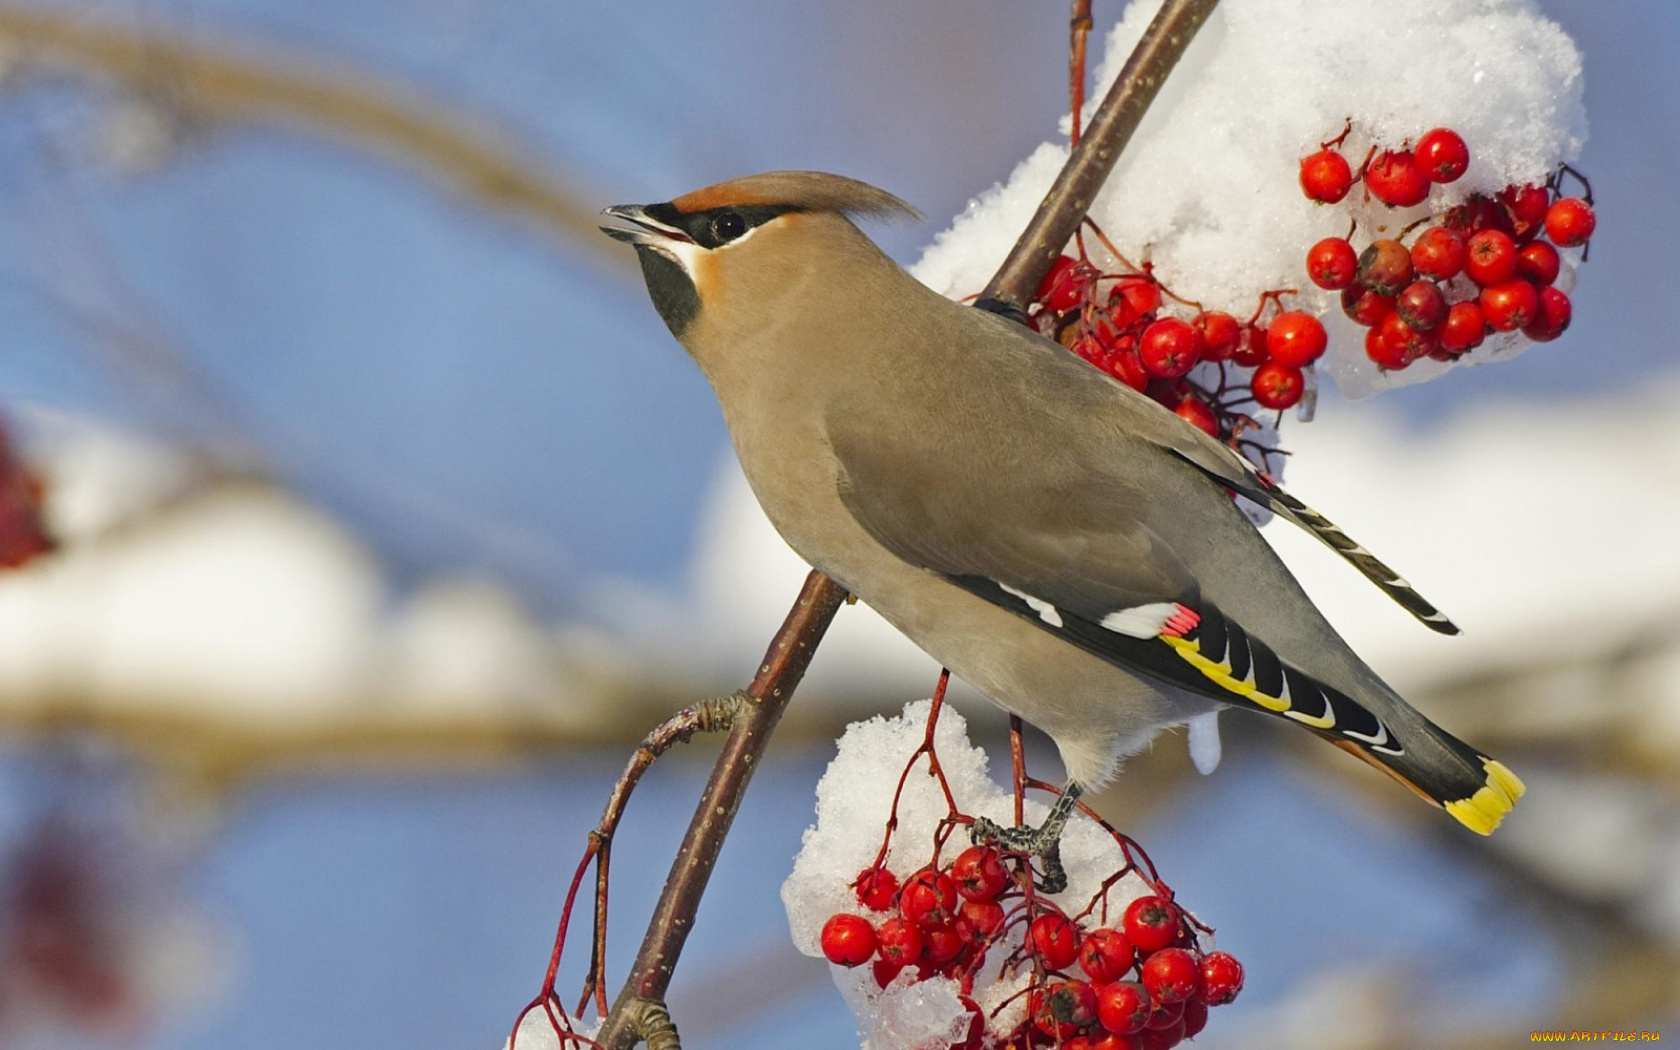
pixel 1044 841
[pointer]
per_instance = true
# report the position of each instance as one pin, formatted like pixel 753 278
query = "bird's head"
pixel 728 255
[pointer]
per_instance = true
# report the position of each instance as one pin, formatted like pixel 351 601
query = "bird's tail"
pixel 1476 790
pixel 1217 657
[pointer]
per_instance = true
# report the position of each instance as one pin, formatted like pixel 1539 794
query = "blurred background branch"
pixel 204 81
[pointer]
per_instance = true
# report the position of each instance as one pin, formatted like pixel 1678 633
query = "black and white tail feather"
pixel 1267 493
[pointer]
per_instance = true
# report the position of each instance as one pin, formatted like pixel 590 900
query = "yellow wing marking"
pixel 1220 674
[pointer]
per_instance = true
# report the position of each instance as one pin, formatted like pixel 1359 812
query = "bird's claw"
pixel 1043 842
pixel 1031 841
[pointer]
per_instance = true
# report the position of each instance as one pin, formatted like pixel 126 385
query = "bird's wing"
pixel 1091 556
pixel 1224 466
pixel 1109 585
pixel 1117 590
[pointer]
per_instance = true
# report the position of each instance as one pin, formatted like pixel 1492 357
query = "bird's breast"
pixel 795 477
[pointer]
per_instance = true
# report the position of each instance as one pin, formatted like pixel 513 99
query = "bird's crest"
pixel 800 191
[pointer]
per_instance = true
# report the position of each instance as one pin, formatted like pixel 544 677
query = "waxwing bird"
pixel 1058 540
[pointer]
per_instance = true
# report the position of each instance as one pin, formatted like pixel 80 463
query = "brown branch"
pixel 1089 165
pixel 219 81
pixel 790 653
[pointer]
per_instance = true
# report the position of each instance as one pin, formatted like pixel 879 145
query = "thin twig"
pixel 766 698
pixel 596 978
pixel 1017 768
pixel 546 998
pixel 1088 167
pixel 707 716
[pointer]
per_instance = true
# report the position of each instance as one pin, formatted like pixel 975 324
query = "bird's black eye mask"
pixel 716 227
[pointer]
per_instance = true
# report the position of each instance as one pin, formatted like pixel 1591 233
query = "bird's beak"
pixel 651 232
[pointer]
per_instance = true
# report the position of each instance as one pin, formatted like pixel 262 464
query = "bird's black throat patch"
pixel 670 288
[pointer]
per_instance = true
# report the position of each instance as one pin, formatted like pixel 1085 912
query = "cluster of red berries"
pixel 1487 265
pixel 1142 985
pixel 1400 178
pixel 1116 322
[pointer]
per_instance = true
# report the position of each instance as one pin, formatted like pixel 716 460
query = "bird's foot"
pixel 1043 842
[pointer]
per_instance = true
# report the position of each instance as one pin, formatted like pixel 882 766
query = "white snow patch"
pixel 101 477
pixel 461 641
pixel 250 598
pixel 908 1014
pixel 536 1032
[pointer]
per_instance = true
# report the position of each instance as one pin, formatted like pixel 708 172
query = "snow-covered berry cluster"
pixel 941 944
pixel 1436 288
pixel 1487 265
pixel 1140 983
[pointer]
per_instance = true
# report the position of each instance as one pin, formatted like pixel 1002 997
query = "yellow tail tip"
pixel 1483 811
pixel 1506 779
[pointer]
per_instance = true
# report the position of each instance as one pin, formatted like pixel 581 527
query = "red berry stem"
pixel 1108 245
pixel 1146 270
pixel 1406 230
pixel 547 998
pixel 1079 31
pixel 1256 452
pixel 1018 768
pixel 1336 143
pixel 1100 898
pixel 1370 155
pixel 1555 183
pixel 1271 297
pixel 926 747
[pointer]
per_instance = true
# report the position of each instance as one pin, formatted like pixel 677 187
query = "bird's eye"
pixel 728 226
